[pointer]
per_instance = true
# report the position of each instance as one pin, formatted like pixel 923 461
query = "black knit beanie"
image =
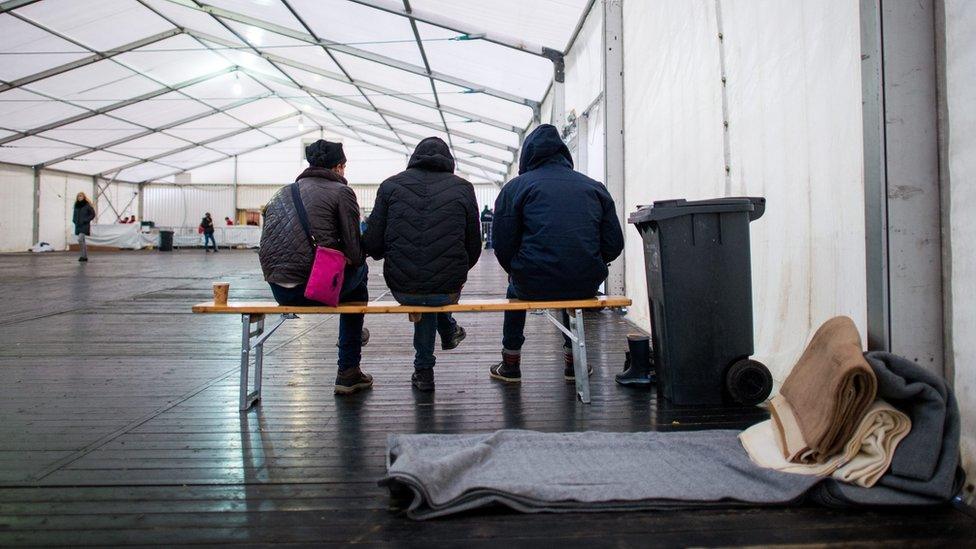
pixel 325 154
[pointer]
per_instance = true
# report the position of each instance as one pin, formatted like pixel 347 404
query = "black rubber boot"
pixel 638 369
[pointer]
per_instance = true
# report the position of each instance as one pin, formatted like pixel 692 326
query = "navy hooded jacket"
pixel 555 230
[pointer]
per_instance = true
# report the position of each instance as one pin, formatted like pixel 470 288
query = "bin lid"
pixel 666 209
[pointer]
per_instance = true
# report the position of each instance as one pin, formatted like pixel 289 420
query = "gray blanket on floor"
pixel 592 471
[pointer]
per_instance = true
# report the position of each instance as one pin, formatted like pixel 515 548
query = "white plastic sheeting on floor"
pixel 794 136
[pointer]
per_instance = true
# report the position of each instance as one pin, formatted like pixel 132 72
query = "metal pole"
pixel 235 189
pixel 141 205
pixel 36 223
pixel 613 127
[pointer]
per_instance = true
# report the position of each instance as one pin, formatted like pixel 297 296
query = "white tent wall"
pixel 794 113
pixel 16 207
pixel 960 20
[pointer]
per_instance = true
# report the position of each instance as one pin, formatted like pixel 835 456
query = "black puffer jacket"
pixel 425 224
pixel 333 214
pixel 82 217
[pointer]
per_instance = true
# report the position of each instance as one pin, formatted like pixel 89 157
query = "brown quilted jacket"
pixel 333 213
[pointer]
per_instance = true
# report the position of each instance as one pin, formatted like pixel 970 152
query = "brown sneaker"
pixel 509 369
pixel 569 370
pixel 351 381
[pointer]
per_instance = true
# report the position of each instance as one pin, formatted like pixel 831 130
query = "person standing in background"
pixel 82 217
pixel 487 216
pixel 207 225
pixel 228 222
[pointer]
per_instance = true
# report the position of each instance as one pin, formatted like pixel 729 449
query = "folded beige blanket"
pixel 864 459
pixel 826 395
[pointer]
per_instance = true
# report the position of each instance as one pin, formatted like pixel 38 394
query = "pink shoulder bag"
pixel 329 266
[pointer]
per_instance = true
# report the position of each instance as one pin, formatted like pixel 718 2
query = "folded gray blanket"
pixel 925 466
pixel 591 471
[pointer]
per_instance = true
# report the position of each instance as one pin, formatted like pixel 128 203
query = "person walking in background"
pixel 82 217
pixel 554 232
pixel 286 254
pixel 425 226
pixel 486 218
pixel 207 225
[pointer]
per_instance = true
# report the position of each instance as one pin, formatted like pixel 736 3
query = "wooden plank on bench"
pixel 465 305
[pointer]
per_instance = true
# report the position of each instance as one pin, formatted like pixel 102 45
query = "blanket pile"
pixel 873 420
pixel 873 429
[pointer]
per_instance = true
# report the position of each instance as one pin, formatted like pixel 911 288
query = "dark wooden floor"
pixel 119 422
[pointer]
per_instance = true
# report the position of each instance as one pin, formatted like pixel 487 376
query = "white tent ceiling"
pixel 141 90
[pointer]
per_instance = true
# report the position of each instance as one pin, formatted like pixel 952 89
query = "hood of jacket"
pixel 432 155
pixel 543 146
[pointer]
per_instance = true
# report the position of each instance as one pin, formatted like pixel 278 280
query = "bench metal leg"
pixel 578 337
pixel 581 371
pixel 258 336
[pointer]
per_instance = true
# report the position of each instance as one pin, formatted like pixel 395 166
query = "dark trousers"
pixel 423 331
pixel 513 329
pixel 350 325
pixel 208 238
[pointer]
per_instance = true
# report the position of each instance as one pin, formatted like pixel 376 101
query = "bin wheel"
pixel 748 382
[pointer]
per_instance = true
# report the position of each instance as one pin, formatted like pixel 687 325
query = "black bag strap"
pixel 302 214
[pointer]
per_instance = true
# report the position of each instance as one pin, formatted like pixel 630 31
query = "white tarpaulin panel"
pixel 16 205
pixel 128 236
pixel 961 104
pixel 794 137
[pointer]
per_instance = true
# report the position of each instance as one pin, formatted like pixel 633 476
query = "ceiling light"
pixel 301 123
pixel 254 35
pixel 237 88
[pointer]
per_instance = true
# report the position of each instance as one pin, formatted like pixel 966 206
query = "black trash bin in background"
pixel 699 284
pixel 166 241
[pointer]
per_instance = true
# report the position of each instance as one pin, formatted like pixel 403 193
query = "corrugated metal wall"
pixel 176 206
pixel 254 197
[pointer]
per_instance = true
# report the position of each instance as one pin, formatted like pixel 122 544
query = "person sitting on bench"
pixel 425 224
pixel 286 254
pixel 554 232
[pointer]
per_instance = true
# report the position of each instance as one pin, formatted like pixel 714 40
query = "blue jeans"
pixel 423 331
pixel 513 328
pixel 350 325
pixel 208 238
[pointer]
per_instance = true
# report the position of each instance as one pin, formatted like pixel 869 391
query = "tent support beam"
pixel 203 143
pixel 467 31
pixel 14 4
pixel 349 50
pixel 36 209
pixel 277 59
pixel 114 106
pixel 157 129
pixel 226 156
pixel 84 61
pixel 328 53
pixel 613 128
pixel 385 112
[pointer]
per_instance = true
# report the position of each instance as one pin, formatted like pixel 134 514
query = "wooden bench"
pixel 253 313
